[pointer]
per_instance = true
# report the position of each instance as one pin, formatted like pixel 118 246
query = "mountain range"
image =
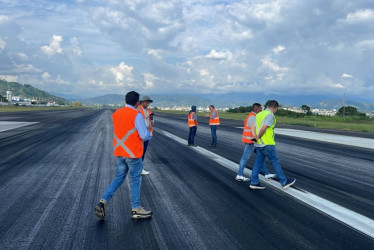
pixel 230 100
pixel 227 100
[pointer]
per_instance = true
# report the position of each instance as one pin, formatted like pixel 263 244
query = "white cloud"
pixel 9 78
pixel 366 15
pixel 3 19
pixel 149 80
pixel 123 73
pixel 46 76
pixel 272 65
pixel 54 47
pixel 219 55
pixel 76 49
pixel 22 56
pixel 344 75
pixel 25 68
pixel 278 49
pixel 338 86
pixel 155 52
pixel 366 44
pixel 2 44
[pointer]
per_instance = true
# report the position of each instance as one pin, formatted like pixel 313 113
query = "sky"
pixel 98 47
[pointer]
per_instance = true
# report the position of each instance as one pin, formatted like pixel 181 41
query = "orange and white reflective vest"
pixel 191 121
pixel 141 110
pixel 247 132
pixel 215 120
pixel 126 141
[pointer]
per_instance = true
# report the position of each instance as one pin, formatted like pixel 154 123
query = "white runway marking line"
pixel 7 125
pixel 354 220
pixel 316 136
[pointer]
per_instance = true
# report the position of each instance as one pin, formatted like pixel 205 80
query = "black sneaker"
pixel 289 182
pixel 100 209
pixel 193 145
pixel 257 186
pixel 140 213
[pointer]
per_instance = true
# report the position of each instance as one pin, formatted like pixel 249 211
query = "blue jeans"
pixel 271 153
pixel 248 150
pixel 191 135
pixel 213 130
pixel 123 166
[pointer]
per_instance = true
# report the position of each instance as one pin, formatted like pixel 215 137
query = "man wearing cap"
pixel 148 118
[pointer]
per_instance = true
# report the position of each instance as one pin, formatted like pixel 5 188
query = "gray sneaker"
pixel 241 178
pixel 141 213
pixel 100 209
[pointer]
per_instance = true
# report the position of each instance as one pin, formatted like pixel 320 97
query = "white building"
pixel 9 95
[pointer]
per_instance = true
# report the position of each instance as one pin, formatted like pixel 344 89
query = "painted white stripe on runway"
pixel 357 221
pixel 316 136
pixel 6 125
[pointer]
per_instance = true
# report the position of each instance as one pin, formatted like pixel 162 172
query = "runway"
pixel 53 172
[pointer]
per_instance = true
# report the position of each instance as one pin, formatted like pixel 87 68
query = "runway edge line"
pixel 350 218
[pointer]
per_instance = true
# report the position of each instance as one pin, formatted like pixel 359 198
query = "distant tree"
pixel 77 104
pixel 240 109
pixel 3 99
pixel 349 111
pixel 306 109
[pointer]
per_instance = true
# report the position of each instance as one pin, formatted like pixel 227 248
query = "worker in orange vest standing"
pixel 129 133
pixel 148 119
pixel 213 123
pixel 192 124
pixel 249 132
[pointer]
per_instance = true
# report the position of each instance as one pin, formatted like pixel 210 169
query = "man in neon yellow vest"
pixel 265 146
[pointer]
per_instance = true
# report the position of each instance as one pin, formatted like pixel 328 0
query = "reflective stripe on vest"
pixel 214 121
pixel 191 121
pixel 268 137
pixel 121 142
pixel 247 131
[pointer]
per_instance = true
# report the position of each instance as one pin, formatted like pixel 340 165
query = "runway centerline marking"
pixel 350 218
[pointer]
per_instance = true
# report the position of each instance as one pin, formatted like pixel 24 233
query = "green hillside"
pixel 28 91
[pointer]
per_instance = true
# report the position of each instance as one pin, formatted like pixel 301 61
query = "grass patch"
pixel 328 122
pixel 34 108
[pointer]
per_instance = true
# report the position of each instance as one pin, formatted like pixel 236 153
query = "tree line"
pixel 343 111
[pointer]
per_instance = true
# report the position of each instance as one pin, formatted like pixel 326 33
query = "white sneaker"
pixel 270 176
pixel 144 172
pixel 241 178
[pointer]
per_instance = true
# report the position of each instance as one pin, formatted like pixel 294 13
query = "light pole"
pixel 345 76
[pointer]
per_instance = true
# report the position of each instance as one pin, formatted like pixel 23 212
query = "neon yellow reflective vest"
pixel 268 137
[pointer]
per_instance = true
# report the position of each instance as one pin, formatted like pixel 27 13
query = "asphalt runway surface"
pixel 53 173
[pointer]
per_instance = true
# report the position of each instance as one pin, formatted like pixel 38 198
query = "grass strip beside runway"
pixel 326 122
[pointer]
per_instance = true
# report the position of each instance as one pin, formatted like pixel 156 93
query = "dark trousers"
pixel 145 146
pixel 191 135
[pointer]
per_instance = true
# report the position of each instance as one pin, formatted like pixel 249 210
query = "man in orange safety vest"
pixel 129 132
pixel 213 123
pixel 192 124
